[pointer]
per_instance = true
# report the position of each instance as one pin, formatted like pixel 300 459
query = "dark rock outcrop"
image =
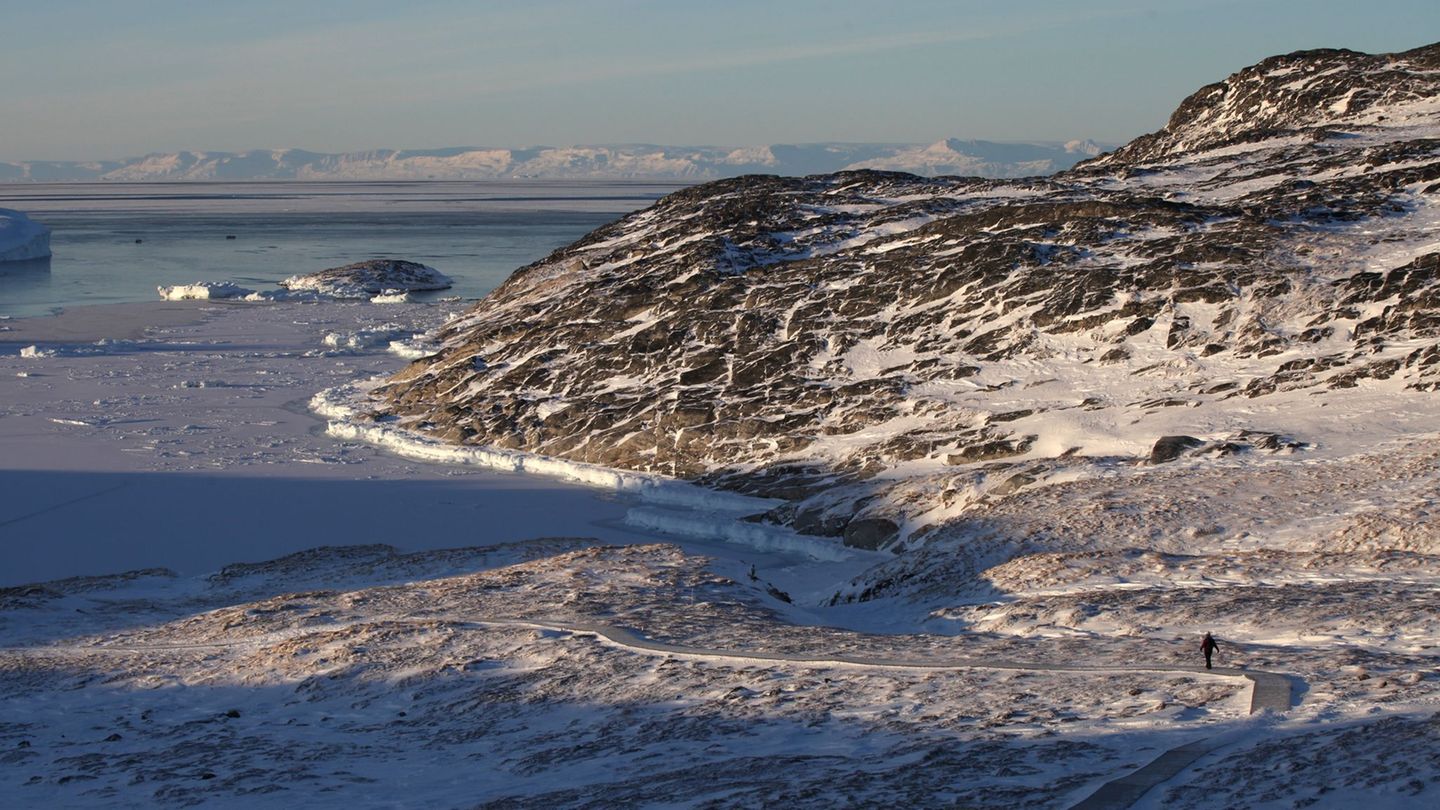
pixel 1169 448
pixel 871 533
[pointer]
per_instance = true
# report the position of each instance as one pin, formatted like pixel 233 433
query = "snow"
pixel 413 348
pixel 358 283
pixel 197 418
pixel 597 162
pixel 339 405
pixel 953 156
pixel 429 623
pixel 22 238
pixel 383 336
pixel 359 673
pixel 402 671
pixel 711 525
pixel 391 297
pixel 194 422
pixel 203 291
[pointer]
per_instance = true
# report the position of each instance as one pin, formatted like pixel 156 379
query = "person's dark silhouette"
pixel 1208 646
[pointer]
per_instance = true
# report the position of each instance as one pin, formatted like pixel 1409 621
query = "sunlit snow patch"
pixel 203 291
pixel 414 348
pixel 382 336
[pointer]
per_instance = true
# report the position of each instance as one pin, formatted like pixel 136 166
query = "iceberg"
pixel 22 238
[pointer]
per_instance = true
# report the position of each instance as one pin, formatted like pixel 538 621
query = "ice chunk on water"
pixel 203 290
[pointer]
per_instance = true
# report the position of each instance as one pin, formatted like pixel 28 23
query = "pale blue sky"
pixel 113 78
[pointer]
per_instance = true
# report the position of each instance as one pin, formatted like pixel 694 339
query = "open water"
pixel 117 242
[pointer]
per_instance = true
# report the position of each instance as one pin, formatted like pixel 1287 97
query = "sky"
pixel 105 79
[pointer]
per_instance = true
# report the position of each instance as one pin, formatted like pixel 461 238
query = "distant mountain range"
pixel 636 161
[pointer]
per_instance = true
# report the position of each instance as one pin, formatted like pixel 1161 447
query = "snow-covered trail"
pixel 1269 690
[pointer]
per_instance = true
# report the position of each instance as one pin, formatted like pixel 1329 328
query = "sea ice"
pixel 381 336
pixel 203 290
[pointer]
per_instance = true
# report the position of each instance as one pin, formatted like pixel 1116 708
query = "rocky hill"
pixel 639 161
pixel 899 358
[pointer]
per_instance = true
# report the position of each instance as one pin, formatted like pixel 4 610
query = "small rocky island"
pixel 378 280
pixel 370 278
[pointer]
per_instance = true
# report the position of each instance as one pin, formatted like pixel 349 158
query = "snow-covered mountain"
pixel 911 362
pixel 953 156
pixel 981 158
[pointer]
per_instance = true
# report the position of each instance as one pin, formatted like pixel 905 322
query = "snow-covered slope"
pixel 22 238
pixel 895 356
pixel 1299 94
pixel 984 158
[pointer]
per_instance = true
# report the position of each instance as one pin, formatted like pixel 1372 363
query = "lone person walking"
pixel 1208 646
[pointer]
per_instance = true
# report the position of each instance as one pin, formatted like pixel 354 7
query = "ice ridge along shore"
pixel 667 505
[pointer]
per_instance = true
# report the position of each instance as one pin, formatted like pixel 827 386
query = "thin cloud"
pixel 553 74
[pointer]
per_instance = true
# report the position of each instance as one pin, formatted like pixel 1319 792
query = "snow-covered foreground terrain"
pixel 434 652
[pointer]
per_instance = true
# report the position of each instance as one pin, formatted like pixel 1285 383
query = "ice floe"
pixel 203 291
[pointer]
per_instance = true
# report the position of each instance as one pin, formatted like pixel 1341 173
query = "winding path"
pixel 1269 691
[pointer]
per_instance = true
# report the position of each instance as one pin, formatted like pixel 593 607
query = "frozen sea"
pixel 134 420
pixel 116 242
